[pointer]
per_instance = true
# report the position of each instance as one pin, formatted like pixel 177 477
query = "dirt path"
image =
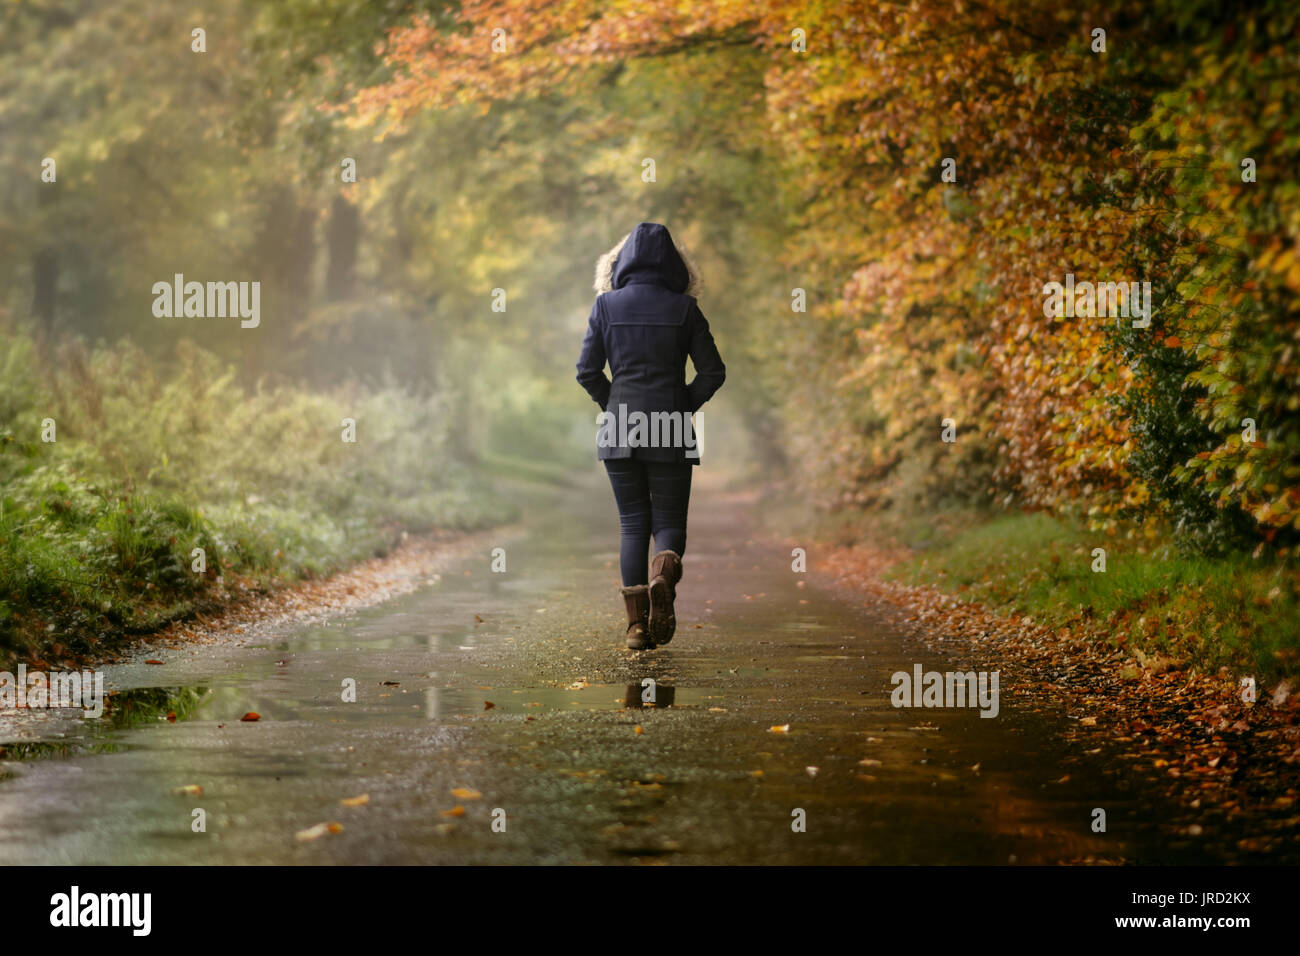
pixel 487 697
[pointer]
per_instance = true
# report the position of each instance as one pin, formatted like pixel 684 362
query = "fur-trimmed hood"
pixel 648 251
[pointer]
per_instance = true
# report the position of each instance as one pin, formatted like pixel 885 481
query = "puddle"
pixel 123 710
pixel 55 735
pixel 446 702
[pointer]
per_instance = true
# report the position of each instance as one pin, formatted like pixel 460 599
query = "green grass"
pixel 1235 611
pixel 98 529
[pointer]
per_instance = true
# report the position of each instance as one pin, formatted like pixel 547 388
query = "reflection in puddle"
pixel 649 693
pixel 380 701
pixel 446 702
pixel 123 709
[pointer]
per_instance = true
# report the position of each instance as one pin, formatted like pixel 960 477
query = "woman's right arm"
pixel 709 370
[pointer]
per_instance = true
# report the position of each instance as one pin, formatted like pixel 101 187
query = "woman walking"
pixel 645 322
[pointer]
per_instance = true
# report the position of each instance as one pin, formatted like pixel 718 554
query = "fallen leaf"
pixel 488 705
pixel 153 661
pixel 251 716
pixel 1281 694
pixel 463 793
pixel 318 831
pixel 456 811
pixel 779 729
pixel 360 801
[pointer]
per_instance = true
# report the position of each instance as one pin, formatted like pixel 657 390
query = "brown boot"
pixel 637 601
pixel 665 572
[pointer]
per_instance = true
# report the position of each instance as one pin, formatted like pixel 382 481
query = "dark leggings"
pixel 652 498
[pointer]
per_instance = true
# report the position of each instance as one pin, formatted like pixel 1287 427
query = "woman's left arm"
pixel 591 360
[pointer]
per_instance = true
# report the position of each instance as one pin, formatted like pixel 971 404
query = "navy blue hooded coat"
pixel 645 327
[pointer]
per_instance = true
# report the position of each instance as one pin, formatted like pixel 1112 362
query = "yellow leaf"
pixel 318 831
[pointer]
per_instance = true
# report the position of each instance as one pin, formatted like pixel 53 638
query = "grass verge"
pixel 134 493
pixel 1234 611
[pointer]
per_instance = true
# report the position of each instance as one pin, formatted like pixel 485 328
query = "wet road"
pixel 567 762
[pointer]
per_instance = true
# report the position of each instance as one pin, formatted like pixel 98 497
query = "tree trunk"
pixel 342 237
pixel 45 278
